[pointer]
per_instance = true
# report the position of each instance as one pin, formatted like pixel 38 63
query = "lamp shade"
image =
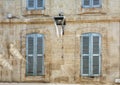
pixel 60 20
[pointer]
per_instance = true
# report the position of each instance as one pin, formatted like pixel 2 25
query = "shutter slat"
pixel 85 64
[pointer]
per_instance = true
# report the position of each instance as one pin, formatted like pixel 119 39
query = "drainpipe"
pixel 118 79
pixel 119 50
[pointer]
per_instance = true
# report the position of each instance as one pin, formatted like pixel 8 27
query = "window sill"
pixel 90 78
pixel 35 79
pixel 33 13
pixel 95 11
pixel 34 75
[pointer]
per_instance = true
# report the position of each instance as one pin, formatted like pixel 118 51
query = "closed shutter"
pixel 35 54
pixel 30 54
pixel 90 51
pixel 96 3
pixel 40 4
pixel 85 54
pixel 96 53
pixel 31 4
pixel 40 55
pixel 86 3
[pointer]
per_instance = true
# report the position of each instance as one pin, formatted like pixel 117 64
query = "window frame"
pixel 35 5
pixel 91 4
pixel 35 36
pixel 90 35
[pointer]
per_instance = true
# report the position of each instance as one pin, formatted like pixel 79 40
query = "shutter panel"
pixel 96 3
pixel 85 55
pixel 95 64
pixel 96 54
pixel 85 64
pixel 95 44
pixel 39 44
pixel 30 45
pixel 31 4
pixel 30 54
pixel 86 3
pixel 40 55
pixel 39 65
pixel 85 44
pixel 30 65
pixel 40 4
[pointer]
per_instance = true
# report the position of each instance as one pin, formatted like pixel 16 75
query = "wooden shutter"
pixel 30 54
pixel 31 4
pixel 86 3
pixel 40 4
pixel 90 51
pixel 96 3
pixel 85 54
pixel 40 54
pixel 96 53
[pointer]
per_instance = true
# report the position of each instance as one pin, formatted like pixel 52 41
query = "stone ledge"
pixel 44 84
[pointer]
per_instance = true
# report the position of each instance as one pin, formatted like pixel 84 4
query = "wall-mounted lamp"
pixel 10 16
pixel 60 20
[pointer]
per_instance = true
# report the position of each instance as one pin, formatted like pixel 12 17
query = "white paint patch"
pixel 5 63
pixel 15 52
pixel 117 80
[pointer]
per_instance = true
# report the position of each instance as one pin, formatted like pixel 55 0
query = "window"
pixel 91 3
pixel 90 54
pixel 35 55
pixel 35 4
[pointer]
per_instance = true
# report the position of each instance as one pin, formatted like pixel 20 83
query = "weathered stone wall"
pixel 62 55
pixel 53 7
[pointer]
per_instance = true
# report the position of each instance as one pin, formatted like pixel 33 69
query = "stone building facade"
pixel 62 57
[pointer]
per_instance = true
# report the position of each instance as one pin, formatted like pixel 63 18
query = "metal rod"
pixel 119 49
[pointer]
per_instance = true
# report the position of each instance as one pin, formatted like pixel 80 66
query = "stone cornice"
pixel 69 19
